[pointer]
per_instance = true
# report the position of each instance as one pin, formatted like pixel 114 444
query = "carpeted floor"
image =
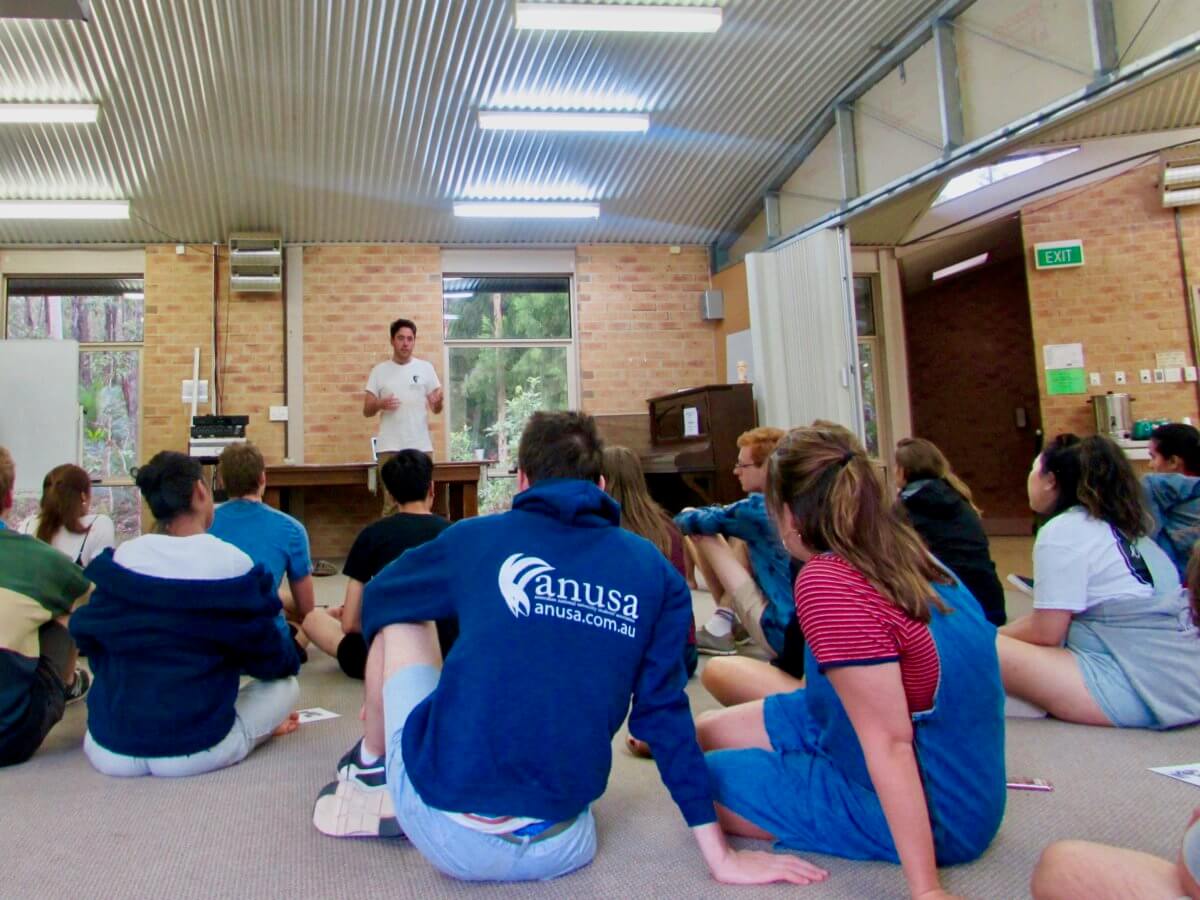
pixel 245 832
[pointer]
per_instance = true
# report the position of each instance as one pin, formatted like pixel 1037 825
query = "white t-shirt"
pixel 100 534
pixel 1080 562
pixel 197 557
pixel 407 426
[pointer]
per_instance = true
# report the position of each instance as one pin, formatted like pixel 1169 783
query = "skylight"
pixel 1006 168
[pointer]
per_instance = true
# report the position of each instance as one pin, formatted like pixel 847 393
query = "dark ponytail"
pixel 167 483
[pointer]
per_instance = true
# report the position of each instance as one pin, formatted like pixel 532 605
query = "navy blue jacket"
pixel 167 654
pixel 563 617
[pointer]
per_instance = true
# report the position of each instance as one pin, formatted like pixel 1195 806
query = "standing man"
pixel 403 391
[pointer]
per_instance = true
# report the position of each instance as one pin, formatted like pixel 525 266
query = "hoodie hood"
pixel 932 497
pixel 571 501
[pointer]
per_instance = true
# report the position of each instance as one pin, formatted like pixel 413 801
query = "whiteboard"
pixel 39 407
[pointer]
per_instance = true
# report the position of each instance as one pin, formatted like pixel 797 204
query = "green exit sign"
pixel 1058 254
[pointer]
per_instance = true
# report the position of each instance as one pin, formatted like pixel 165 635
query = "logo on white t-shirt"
pixel 528 587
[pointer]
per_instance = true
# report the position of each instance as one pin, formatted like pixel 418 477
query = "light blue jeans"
pixel 454 849
pixel 261 707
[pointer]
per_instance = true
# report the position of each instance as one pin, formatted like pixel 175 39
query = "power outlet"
pixel 1118 377
pixel 1189 373
pixel 279 413
pixel 1145 377
pixel 1094 379
pixel 1160 376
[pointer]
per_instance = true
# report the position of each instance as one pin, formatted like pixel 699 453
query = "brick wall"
pixel 351 294
pixel 640 331
pixel 1125 304
pixel 970 358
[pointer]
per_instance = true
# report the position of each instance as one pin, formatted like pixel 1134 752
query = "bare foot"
pixel 288 725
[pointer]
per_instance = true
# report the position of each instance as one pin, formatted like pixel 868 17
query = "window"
pixel 509 352
pixel 869 371
pixel 1006 168
pixel 106 316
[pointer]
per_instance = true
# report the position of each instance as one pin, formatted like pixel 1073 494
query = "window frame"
pixel 570 343
pixel 876 343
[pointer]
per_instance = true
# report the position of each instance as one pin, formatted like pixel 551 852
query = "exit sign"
pixel 1058 254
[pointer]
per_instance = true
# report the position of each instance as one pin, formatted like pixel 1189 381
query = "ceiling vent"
pixel 255 262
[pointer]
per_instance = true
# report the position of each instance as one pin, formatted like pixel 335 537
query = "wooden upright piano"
pixel 693 444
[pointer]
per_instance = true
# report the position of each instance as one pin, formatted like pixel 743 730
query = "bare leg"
pixel 1080 870
pixel 735 728
pixel 1048 677
pixel 729 572
pixel 323 630
pixel 696 554
pixel 394 648
pixel 733 680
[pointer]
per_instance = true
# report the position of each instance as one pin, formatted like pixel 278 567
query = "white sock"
pixel 721 623
pixel 367 759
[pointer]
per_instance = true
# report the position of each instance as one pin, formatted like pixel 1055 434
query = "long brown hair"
pixel 625 482
pixel 63 491
pixel 1193 583
pixel 823 475
pixel 920 458
pixel 1095 473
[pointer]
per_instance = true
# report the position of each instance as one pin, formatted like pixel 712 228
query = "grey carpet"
pixel 245 832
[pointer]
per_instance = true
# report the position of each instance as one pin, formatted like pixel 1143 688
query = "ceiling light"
pixel 64 209
pixel 1181 198
pixel 960 266
pixel 538 120
pixel 613 17
pixel 23 113
pixel 525 210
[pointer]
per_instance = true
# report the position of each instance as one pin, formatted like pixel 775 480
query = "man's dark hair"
pixel 403 323
pixel 407 476
pixel 560 445
pixel 1177 439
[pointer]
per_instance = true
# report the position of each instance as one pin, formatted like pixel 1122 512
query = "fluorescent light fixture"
pixel 34 113
pixel 458 295
pixel 134 295
pixel 64 209
pixel 1177 175
pixel 1181 198
pixel 561 120
pixel 516 209
pixel 615 17
pixel 960 266
pixel 450 317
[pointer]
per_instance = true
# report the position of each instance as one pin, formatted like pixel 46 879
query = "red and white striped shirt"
pixel 847 622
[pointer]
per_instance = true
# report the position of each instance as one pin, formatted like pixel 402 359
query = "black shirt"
pixel 383 541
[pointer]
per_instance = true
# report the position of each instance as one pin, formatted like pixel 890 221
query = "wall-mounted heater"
pixel 255 262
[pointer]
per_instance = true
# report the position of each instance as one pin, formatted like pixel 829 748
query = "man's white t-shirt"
pixel 84 546
pixel 407 426
pixel 197 557
pixel 1080 562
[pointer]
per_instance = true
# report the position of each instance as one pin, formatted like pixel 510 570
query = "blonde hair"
pixel 761 441
pixel 823 476
pixel 920 458
pixel 625 482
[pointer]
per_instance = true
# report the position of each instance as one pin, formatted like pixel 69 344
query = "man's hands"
pixel 435 398
pixel 758 867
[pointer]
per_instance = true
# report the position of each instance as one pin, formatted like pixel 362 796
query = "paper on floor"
pixel 1189 772
pixel 316 714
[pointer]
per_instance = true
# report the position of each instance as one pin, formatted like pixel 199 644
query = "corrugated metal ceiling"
pixel 354 121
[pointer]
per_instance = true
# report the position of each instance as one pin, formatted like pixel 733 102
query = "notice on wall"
pixel 1065 381
pixel 691 421
pixel 1062 356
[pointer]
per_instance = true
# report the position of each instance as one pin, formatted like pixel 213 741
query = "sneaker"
pixel 1022 583
pixel 711 645
pixel 347 809
pixel 78 688
pixel 351 767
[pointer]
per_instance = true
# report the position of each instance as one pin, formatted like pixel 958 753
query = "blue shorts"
pixel 452 848
pixel 1108 684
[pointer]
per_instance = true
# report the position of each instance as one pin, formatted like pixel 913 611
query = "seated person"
pixel 494 760
pixel 939 506
pixel 1081 870
pixel 902 668
pixel 65 520
pixel 175 619
pixel 39 587
pixel 755 592
pixel 408 478
pixel 1175 449
pixel 1109 641
pixel 269 537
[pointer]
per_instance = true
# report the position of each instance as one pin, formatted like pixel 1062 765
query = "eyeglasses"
pixel 742 465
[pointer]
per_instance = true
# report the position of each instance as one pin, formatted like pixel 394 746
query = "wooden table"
pixel 285 484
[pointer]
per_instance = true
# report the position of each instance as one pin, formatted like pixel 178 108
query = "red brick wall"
pixel 1125 304
pixel 970 359
pixel 351 294
pixel 640 331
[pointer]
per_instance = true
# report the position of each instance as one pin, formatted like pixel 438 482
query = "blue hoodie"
pixel 563 616
pixel 167 655
pixel 1175 502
